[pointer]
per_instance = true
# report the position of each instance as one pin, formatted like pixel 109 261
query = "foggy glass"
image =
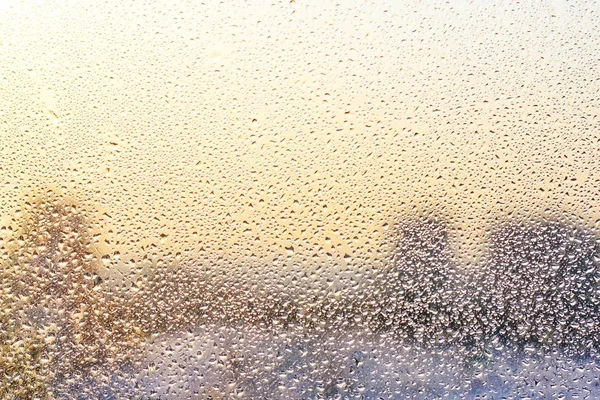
pixel 299 200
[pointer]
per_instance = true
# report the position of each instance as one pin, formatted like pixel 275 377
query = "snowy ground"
pixel 242 362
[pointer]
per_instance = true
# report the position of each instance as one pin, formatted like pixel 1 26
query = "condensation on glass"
pixel 299 200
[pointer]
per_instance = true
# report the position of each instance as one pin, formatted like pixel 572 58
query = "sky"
pixel 298 133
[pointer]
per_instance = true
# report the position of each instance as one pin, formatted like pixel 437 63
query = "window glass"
pixel 299 199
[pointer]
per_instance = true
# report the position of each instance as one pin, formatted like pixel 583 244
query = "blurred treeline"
pixel 537 287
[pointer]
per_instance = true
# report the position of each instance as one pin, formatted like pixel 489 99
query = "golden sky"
pixel 299 132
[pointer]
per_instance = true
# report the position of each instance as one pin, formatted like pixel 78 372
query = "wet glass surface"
pixel 297 200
